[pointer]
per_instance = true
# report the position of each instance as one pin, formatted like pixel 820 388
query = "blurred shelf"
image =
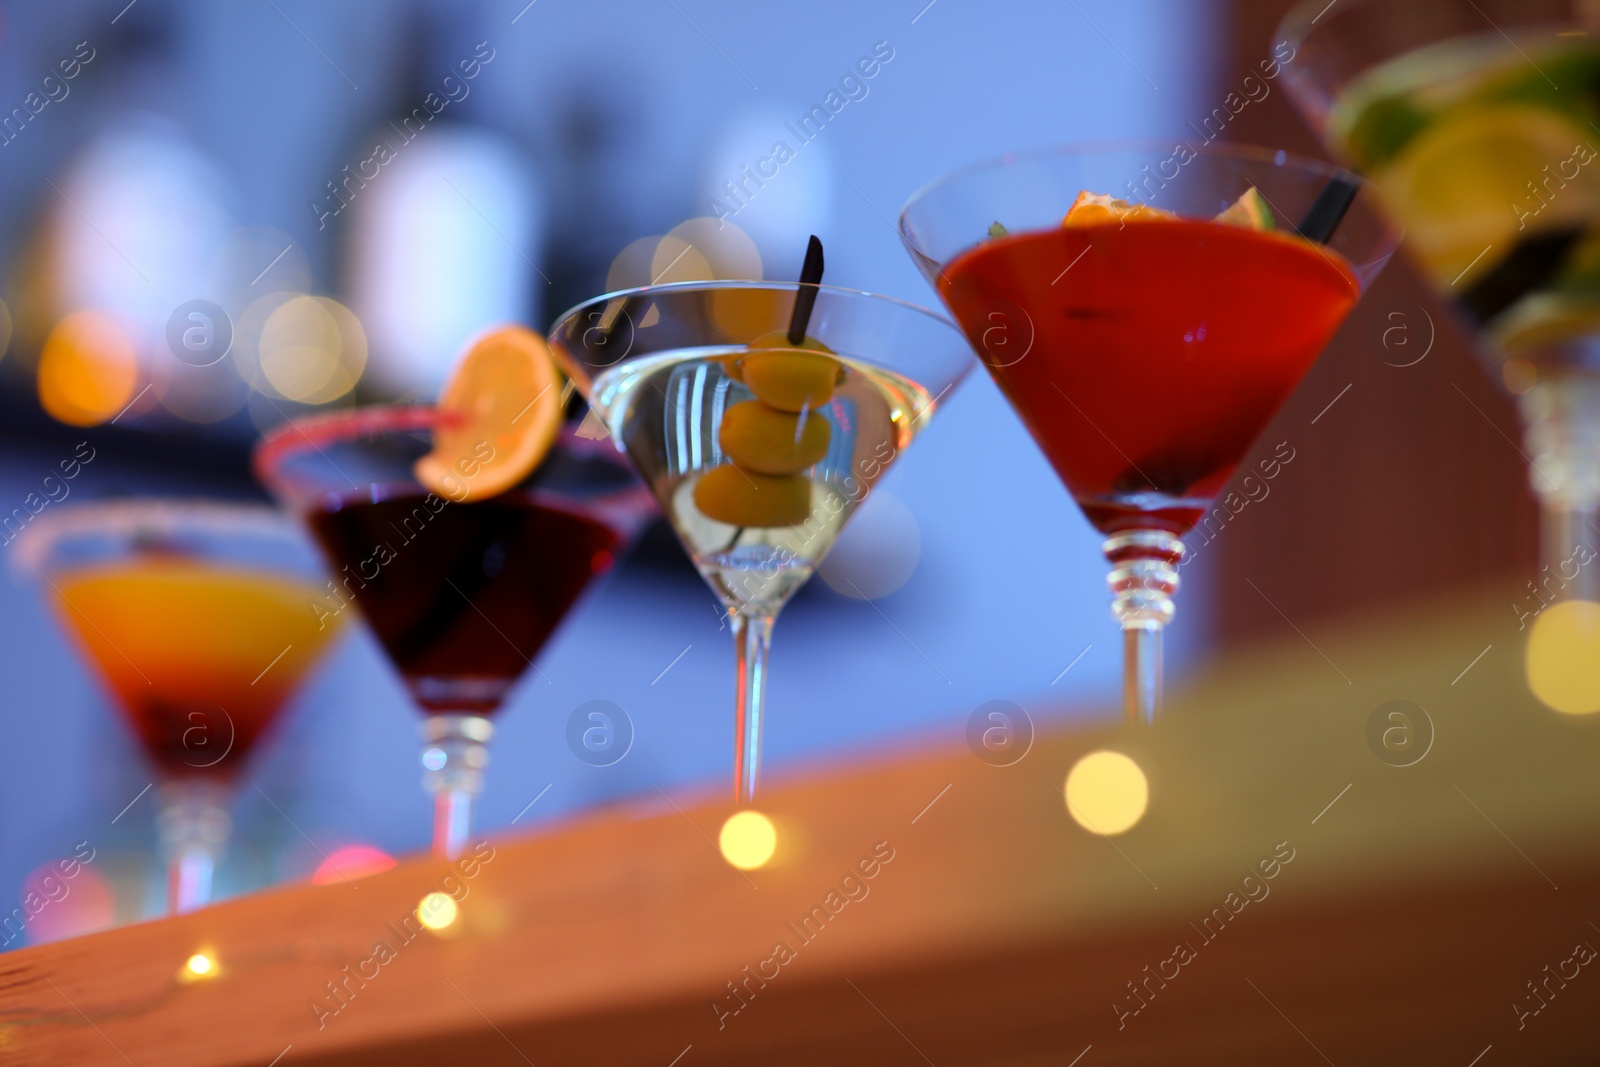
pixel 1418 904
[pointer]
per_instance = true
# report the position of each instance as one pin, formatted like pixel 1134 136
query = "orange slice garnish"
pixel 499 415
pixel 1091 208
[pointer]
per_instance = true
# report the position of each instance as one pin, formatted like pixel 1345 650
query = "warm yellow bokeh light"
pixel 676 260
pixel 631 267
pixel 87 369
pixel 727 250
pixel 748 840
pixel 199 965
pixel 312 349
pixel 438 911
pixel 1107 793
pixel 1563 657
pixel 700 249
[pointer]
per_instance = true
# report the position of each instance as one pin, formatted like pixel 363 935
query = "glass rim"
pixel 321 428
pixel 330 427
pixel 1249 153
pixel 128 516
pixel 745 283
pixel 1299 22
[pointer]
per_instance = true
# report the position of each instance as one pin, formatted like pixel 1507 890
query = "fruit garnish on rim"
pixel 1250 211
pixel 1091 208
pixel 498 416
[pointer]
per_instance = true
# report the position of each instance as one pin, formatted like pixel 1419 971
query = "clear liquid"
pixel 666 411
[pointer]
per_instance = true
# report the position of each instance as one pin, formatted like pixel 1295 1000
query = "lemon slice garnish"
pixel 1462 186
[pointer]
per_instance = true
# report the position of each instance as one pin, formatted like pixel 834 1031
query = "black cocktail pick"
pixel 805 298
pixel 1328 210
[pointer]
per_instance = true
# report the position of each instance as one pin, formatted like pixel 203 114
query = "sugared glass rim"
pixel 327 427
pixel 740 283
pixel 132 516
pixel 312 432
pixel 1275 157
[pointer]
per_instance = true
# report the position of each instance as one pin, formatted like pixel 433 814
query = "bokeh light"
pixel 351 862
pixel 142 211
pixel 699 249
pixel 443 243
pixel 726 250
pixel 200 965
pixel 78 905
pixel 1107 793
pixel 631 266
pixel 676 260
pixel 306 349
pixel 748 840
pixel 786 206
pixel 1563 657
pixel 88 370
pixel 438 911
pixel 877 552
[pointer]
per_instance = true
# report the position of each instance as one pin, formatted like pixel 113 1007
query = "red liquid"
pixel 463 597
pixel 1155 352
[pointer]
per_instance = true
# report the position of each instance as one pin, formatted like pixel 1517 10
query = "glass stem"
pixel 1561 418
pixel 1143 579
pixel 454 755
pixel 193 826
pixel 1565 533
pixel 752 639
pixel 1141 673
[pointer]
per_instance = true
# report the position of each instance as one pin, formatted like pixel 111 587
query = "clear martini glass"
pixel 1145 356
pixel 756 460
pixel 1475 121
pixel 196 617
pixel 461 594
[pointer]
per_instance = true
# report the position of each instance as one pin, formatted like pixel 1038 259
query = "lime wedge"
pixel 1250 211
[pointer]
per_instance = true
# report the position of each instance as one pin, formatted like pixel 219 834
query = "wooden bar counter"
pixel 1289 898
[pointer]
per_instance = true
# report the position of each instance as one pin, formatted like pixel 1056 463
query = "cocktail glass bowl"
pixel 1146 352
pixel 758 456
pixel 198 617
pixel 461 592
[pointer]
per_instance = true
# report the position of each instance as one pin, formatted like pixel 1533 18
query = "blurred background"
pixel 337 195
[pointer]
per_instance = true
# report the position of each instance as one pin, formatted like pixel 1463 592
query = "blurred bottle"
pixel 442 217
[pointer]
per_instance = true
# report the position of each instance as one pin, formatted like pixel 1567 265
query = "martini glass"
pixel 660 366
pixel 460 595
pixel 196 616
pixel 1146 357
pixel 1475 120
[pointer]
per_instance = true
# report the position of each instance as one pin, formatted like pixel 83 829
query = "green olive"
pixel 763 439
pixel 747 498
